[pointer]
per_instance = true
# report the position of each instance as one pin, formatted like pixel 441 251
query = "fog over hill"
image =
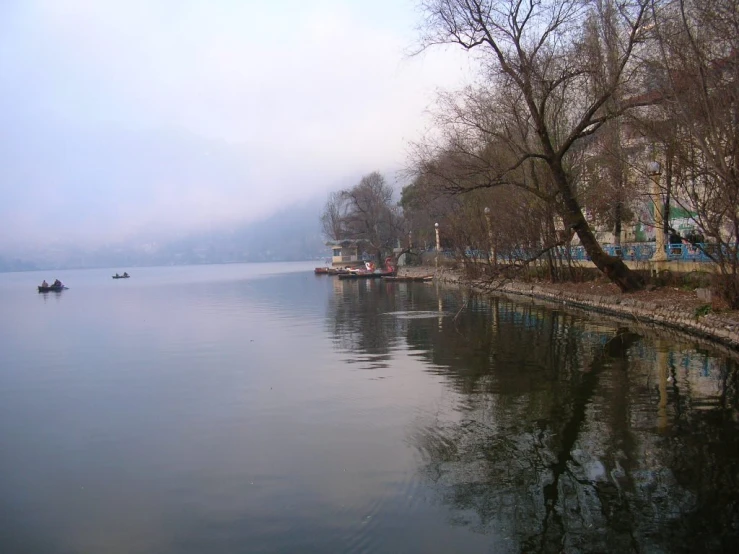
pixel 156 132
pixel 291 234
pixel 147 132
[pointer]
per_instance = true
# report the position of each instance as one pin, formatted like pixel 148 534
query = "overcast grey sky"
pixel 135 117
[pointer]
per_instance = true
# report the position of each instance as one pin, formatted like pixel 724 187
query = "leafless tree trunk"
pixel 533 53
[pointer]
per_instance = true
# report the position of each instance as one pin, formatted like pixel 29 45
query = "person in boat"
pixel 57 283
pixel 125 274
pixel 116 275
pixel 45 284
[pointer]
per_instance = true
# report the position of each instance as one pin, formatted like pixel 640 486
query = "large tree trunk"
pixel 613 268
pixel 617 224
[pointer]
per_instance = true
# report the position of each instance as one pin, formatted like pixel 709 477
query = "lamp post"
pixel 654 170
pixel 438 245
pixel 407 255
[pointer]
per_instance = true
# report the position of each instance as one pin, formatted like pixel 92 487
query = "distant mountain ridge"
pixel 292 234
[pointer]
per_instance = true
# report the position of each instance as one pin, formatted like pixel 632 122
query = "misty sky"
pixel 124 119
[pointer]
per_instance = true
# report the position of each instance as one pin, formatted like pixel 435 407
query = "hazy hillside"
pixel 290 235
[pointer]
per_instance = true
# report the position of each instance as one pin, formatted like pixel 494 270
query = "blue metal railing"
pixel 639 252
pixel 678 252
pixel 688 252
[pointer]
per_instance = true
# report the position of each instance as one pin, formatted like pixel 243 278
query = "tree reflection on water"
pixel 567 435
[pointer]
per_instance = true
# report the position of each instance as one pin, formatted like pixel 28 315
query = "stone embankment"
pixel 667 307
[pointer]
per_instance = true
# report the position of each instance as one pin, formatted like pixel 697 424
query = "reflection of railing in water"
pixel 637 252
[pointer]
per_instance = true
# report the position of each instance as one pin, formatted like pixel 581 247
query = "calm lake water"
pixel 261 408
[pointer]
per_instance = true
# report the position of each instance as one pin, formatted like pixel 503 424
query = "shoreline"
pixel 666 307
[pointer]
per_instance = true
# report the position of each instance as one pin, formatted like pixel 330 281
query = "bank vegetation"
pixel 590 121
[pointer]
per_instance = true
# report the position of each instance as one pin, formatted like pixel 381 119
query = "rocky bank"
pixel 668 307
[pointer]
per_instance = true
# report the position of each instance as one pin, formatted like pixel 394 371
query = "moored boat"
pixel 407 278
pixel 369 272
pixel 367 275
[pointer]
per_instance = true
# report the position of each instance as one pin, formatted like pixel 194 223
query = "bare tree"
pixel 484 226
pixel 699 87
pixel 556 94
pixel 332 217
pixel 424 205
pixel 365 212
pixel 607 171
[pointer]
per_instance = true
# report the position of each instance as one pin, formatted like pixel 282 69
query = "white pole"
pixel 438 245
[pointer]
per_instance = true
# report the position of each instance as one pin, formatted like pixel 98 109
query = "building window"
pixel 337 252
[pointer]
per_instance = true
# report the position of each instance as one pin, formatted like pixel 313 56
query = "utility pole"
pixel 654 170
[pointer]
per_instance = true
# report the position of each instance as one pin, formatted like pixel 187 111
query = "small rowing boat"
pixel 51 288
